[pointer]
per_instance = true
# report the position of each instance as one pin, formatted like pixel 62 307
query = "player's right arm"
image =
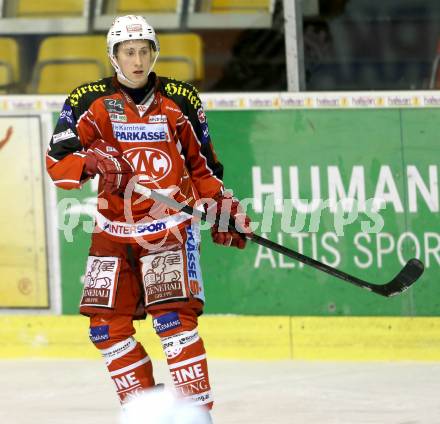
pixel 75 131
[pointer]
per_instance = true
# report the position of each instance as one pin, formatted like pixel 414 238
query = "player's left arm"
pixel 201 160
pixel 207 172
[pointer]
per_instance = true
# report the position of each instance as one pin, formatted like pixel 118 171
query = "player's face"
pixel 134 58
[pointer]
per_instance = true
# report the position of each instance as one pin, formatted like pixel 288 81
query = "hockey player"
pixel 136 124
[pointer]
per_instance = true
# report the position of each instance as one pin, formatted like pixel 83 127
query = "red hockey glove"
pixel 115 169
pixel 229 209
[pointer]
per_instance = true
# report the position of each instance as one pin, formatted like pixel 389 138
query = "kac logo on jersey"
pixel 153 163
pixel 135 133
pixel 142 109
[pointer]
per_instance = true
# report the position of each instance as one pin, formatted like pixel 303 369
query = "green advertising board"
pixel 354 188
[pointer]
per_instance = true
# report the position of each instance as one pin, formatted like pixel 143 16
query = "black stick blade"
pixel 409 274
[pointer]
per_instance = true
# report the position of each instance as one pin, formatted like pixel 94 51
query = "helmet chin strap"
pixel 121 77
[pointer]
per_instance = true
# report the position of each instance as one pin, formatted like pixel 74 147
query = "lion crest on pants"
pixel 158 272
pixel 92 278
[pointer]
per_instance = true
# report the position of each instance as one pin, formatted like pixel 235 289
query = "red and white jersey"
pixel 167 142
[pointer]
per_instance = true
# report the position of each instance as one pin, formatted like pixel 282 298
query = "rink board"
pixel 242 337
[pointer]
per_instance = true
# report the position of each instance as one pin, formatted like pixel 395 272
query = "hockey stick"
pixel 407 276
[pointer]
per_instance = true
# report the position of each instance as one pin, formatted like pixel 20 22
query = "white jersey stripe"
pixel 139 229
pixel 130 367
pixel 66 181
pixel 186 362
pixel 118 350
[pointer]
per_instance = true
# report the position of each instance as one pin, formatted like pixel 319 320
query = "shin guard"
pixel 129 365
pixel 186 356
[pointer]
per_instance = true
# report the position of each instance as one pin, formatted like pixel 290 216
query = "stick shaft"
pixel 396 284
pixel 254 237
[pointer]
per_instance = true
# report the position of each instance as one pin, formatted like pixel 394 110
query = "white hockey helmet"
pixel 130 27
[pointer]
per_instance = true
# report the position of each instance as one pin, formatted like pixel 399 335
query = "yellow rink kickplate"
pixel 242 337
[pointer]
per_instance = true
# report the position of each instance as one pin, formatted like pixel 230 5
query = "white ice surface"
pixel 281 392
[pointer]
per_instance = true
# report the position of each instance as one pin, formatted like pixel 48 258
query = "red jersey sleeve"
pixel 75 130
pixel 200 159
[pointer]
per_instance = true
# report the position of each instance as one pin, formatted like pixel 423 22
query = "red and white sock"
pixel 129 366
pixel 187 363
